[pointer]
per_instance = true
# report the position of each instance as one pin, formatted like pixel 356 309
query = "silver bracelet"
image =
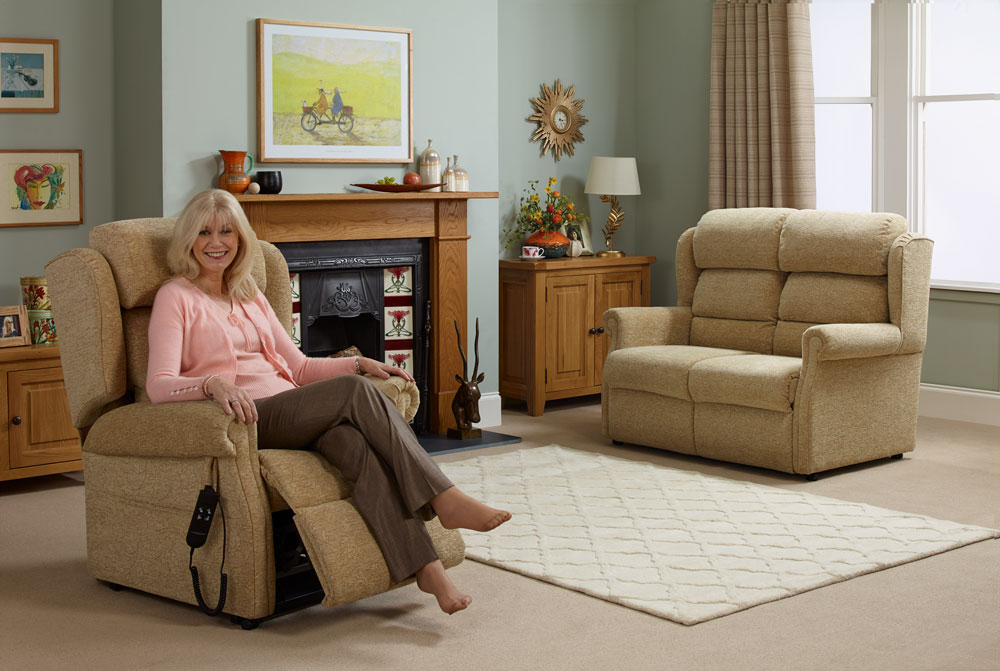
pixel 204 385
pixel 357 366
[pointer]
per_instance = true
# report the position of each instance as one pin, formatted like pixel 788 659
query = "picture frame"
pixel 41 187
pixel 332 93
pixel 14 328
pixel 583 233
pixel 29 75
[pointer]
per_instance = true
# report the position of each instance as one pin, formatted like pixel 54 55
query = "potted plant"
pixel 540 218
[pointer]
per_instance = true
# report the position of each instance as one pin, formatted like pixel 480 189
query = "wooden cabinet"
pixel 552 343
pixel 37 436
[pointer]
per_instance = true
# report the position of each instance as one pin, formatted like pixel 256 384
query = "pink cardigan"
pixel 188 342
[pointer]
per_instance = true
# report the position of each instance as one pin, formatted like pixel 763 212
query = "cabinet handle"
pixel 600 329
pixel 16 420
pixel 593 331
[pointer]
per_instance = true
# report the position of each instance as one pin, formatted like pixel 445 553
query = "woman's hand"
pixel 232 399
pixel 382 370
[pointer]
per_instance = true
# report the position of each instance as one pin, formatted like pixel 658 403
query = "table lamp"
pixel 610 177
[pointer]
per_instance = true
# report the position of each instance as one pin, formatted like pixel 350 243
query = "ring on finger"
pixel 234 400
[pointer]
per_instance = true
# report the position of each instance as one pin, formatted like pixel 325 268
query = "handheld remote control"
pixel 201 520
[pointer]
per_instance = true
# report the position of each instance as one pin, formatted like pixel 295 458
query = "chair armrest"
pixel 828 342
pixel 403 394
pixel 184 429
pixel 638 327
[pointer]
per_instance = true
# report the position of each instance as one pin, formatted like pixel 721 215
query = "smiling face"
pixel 215 247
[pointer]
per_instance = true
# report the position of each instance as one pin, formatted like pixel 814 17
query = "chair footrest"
pixel 342 550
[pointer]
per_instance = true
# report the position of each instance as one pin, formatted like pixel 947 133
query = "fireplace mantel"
pixel 440 217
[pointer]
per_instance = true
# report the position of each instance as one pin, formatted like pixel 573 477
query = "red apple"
pixel 411 178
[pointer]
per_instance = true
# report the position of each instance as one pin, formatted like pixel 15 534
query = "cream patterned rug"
pixel 678 544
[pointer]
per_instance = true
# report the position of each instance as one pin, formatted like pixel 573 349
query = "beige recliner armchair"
pixel 145 464
pixel 796 344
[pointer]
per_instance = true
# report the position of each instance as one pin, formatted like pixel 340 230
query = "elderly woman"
pixel 213 335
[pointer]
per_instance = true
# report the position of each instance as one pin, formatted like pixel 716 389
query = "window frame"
pixel 899 34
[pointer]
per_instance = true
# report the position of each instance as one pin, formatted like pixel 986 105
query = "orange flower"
pixel 557 194
pixel 557 219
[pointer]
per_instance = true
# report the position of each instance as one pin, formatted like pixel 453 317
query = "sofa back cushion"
pixel 735 300
pixel 837 264
pixel 764 275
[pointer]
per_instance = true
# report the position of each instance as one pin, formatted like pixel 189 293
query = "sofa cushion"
pixel 831 298
pixel 752 380
pixel 743 335
pixel 739 238
pixel 788 338
pixel 660 369
pixel 738 294
pixel 837 242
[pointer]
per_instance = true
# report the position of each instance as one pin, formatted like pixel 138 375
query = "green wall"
pixel 674 48
pixel 138 105
pixel 591 46
pixel 84 121
pixel 150 90
pixel 209 103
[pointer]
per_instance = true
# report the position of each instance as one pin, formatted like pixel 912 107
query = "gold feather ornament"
pixel 559 119
pixel 615 219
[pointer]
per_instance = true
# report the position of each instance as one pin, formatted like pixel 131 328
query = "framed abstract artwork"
pixel 29 75
pixel 329 93
pixel 42 187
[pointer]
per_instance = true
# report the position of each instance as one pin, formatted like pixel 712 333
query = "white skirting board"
pixel 960 404
pixel 489 411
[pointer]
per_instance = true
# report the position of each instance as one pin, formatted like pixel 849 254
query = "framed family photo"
pixel 329 93
pixel 29 75
pixel 14 329
pixel 580 232
pixel 41 187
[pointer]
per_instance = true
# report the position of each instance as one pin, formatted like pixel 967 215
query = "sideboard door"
pixel 40 430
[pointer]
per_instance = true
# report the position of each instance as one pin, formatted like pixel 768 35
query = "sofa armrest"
pixel 828 342
pixel 638 327
pixel 184 429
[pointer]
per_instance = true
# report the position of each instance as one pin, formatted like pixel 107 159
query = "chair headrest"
pixel 136 250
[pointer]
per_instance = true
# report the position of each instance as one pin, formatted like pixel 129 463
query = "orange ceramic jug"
pixel 233 178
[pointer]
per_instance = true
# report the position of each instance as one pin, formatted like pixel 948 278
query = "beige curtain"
pixel 762 129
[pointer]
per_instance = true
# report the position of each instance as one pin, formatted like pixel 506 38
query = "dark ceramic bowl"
pixel 269 181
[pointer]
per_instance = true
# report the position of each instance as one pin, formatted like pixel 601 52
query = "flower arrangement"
pixel 543 215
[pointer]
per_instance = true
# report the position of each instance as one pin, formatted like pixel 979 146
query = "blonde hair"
pixel 208 206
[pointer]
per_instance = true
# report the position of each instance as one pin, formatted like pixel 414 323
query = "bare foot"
pixel 458 510
pixel 432 579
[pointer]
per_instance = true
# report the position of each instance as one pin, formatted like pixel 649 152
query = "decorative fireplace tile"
pixel 402 358
pixel 297 329
pixel 293 279
pixel 398 281
pixel 398 323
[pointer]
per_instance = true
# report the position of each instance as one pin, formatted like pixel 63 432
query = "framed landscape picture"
pixel 29 75
pixel 41 187
pixel 329 93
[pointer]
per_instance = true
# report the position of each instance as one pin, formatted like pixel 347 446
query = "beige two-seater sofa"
pixel 796 344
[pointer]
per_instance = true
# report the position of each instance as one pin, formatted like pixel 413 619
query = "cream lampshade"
pixel 612 176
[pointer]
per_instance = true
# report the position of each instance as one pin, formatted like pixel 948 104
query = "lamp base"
pixel 610 253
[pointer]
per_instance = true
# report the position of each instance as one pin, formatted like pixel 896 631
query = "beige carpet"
pixel 678 544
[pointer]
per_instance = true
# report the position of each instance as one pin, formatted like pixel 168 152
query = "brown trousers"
pixel 355 427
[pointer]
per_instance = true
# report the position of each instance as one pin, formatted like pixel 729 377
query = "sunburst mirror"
pixel 559 119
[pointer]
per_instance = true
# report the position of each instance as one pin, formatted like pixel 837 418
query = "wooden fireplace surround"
pixel 440 217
